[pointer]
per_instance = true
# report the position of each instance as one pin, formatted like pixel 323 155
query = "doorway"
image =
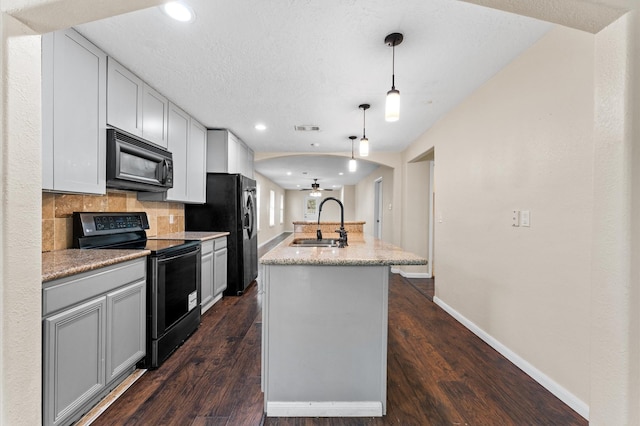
pixel 377 208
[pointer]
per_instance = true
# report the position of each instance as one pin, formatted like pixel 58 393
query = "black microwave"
pixel 137 165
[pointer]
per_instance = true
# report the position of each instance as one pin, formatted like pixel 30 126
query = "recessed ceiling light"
pixel 288 173
pixel 179 11
pixel 341 173
pixel 260 127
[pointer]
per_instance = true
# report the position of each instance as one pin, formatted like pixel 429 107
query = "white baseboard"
pixel 324 409
pixel 411 274
pixel 563 394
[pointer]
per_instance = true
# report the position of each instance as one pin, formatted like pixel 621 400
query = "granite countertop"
pixel 191 235
pixel 324 222
pixel 363 250
pixel 63 263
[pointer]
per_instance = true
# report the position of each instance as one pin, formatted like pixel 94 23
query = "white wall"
pixel 415 215
pixel 365 202
pixel 612 403
pixel 267 232
pixel 294 210
pixel 522 141
pixel 20 194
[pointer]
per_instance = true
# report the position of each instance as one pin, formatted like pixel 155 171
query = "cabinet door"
pixel 241 158
pixel 178 139
pixel 124 98
pixel 74 114
pixel 207 280
pixel 74 353
pixel 220 271
pixel 155 115
pixel 232 153
pixel 126 327
pixel 250 159
pixel 197 163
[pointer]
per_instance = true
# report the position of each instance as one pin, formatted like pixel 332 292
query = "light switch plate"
pixel 525 218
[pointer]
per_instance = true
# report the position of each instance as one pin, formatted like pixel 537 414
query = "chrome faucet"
pixel 342 241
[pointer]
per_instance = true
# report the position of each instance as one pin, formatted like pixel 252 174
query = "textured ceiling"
pixel 294 62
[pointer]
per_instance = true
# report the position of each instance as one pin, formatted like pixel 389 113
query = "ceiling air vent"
pixel 307 128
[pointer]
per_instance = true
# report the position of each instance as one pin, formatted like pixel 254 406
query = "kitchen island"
pixel 324 338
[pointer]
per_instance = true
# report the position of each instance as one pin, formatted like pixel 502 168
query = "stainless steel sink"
pixel 314 242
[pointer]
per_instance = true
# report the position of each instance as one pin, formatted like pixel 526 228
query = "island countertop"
pixel 363 250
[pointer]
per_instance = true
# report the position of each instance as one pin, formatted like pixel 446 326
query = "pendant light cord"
pixel 364 120
pixel 393 67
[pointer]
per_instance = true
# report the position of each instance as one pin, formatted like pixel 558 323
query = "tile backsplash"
pixel 57 210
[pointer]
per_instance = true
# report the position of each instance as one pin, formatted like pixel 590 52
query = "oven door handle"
pixel 191 252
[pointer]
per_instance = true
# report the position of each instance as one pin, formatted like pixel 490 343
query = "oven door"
pixel 175 288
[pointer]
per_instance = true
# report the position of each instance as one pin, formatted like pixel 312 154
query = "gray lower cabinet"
pixel 207 272
pixel 220 266
pixel 93 333
pixel 214 271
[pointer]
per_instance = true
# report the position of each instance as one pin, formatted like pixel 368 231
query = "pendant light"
pixel 364 142
pixel 392 106
pixel 353 166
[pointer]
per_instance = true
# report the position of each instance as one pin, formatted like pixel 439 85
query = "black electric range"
pixel 173 276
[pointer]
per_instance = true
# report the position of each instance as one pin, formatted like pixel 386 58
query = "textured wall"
pixel 522 141
pixel 615 323
pixel 20 181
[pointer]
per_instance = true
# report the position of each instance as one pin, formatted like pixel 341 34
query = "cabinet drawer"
pixel 207 247
pixel 68 291
pixel 220 243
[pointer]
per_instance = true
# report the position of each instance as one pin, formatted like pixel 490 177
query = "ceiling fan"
pixel 315 189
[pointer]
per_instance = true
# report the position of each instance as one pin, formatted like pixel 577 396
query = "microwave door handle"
pixel 165 171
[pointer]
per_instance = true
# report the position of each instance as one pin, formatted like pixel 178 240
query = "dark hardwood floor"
pixel 439 373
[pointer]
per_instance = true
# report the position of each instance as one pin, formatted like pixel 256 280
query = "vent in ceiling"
pixel 307 128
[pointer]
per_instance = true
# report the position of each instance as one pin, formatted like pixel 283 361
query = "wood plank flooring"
pixel 439 373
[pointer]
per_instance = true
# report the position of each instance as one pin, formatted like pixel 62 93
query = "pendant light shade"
pixel 392 106
pixel 353 165
pixel 364 142
pixel 364 147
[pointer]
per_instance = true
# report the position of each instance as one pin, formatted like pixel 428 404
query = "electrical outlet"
pixel 171 219
pixel 515 220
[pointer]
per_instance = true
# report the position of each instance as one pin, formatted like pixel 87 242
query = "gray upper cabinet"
pixel 134 106
pixel 197 163
pixel 187 143
pixel 179 124
pixel 155 116
pixel 73 114
pixel 228 154
pixel 124 99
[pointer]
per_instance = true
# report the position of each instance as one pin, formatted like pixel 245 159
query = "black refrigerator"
pixel 230 207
